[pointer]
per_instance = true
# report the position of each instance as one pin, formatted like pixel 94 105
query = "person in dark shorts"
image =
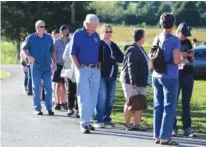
pixel 60 45
pixel 71 84
pixel 186 79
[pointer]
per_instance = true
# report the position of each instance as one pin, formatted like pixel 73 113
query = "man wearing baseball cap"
pixel 186 78
pixel 59 45
pixel 38 47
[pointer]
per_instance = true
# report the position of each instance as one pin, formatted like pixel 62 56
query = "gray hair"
pixel 39 23
pixel 91 18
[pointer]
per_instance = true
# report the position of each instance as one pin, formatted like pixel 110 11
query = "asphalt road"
pixel 21 128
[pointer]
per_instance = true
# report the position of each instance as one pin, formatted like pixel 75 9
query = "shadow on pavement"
pixel 191 142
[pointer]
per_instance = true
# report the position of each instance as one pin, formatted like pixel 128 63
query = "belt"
pixel 90 65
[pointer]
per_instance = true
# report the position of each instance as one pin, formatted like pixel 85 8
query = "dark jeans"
pixel 186 83
pixel 43 93
pixel 72 98
pixel 29 80
pixel 105 100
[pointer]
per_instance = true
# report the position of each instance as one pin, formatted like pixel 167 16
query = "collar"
pixel 38 35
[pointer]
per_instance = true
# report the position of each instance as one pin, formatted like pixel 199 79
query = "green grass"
pixel 198 108
pixel 8 52
pixel 3 74
pixel 122 36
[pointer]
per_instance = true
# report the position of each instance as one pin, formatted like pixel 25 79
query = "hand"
pixel 134 86
pixel 191 54
pixel 25 68
pixel 184 54
pixel 54 67
pixel 31 59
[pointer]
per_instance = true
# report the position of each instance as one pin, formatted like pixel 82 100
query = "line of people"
pixel 93 64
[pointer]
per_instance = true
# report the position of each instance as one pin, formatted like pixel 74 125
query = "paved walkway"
pixel 21 128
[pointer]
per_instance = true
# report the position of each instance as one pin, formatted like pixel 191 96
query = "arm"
pixel 75 61
pixel 119 56
pixel 132 61
pixel 74 51
pixel 176 52
pixel 25 47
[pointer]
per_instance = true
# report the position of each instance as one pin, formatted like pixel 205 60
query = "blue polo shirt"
pixel 85 47
pixel 40 49
pixel 59 46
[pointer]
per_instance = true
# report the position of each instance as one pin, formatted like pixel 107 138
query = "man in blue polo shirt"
pixel 85 55
pixel 38 47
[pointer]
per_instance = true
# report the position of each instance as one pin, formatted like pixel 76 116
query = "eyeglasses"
pixel 42 26
pixel 108 32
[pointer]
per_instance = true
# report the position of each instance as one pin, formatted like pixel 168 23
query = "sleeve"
pixel 177 44
pixel 26 44
pixel 132 60
pixel 119 56
pixel 52 48
pixel 66 53
pixel 74 47
pixel 101 53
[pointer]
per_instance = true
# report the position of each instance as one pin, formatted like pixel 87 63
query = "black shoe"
pixel 70 112
pixel 109 124
pixel 38 113
pixel 189 133
pixel 65 106
pixel 29 94
pixel 85 129
pixel 77 114
pixel 57 107
pixel 51 113
pixel 91 127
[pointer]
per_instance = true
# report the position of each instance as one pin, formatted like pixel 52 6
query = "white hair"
pixel 91 18
pixel 39 23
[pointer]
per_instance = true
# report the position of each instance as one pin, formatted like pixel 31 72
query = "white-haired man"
pixel 38 47
pixel 85 56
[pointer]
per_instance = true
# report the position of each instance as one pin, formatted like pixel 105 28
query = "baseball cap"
pixel 185 29
pixel 63 27
pixel 39 23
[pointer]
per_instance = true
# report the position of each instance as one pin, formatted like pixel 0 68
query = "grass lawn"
pixel 3 74
pixel 122 36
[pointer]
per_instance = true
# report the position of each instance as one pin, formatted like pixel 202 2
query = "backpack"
pixel 157 57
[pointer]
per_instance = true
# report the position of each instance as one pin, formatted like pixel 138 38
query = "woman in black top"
pixel 186 78
pixel 109 69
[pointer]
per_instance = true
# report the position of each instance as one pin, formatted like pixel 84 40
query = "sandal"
pixel 170 142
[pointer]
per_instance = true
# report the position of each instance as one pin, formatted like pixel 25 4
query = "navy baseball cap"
pixel 63 27
pixel 185 29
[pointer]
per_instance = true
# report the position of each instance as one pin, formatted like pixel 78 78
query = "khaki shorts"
pixel 129 91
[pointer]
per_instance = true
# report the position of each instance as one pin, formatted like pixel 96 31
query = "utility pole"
pixel 73 13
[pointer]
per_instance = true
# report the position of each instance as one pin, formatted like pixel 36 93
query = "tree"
pixel 189 13
pixel 18 18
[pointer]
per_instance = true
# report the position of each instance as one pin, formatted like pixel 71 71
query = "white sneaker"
pixel 99 125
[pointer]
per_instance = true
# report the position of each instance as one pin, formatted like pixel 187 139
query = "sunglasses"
pixel 108 32
pixel 42 26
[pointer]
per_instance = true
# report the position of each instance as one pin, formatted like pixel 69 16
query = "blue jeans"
pixel 105 100
pixel 165 103
pixel 88 80
pixel 37 75
pixel 186 83
pixel 29 79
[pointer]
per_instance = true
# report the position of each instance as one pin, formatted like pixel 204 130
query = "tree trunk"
pixel 73 13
